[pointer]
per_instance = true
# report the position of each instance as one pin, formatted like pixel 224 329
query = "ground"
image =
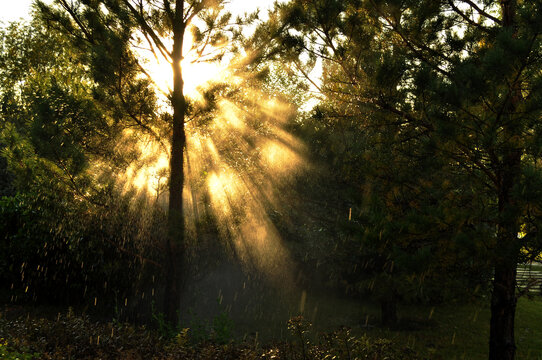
pixel 425 332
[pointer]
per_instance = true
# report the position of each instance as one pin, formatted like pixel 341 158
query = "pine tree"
pixel 457 80
pixel 105 31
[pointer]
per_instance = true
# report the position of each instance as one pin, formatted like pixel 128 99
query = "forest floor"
pixel 451 331
pixel 424 332
pixel 462 331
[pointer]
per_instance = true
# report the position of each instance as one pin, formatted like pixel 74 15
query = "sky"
pixel 12 10
pixel 15 9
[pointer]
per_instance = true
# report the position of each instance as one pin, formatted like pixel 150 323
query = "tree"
pixel 105 30
pixel 51 129
pixel 60 213
pixel 398 240
pixel 463 77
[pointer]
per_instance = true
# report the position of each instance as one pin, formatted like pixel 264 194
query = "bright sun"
pixel 195 73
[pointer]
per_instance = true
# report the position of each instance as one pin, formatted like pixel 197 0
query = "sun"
pixel 149 174
pixel 195 75
pixel 196 72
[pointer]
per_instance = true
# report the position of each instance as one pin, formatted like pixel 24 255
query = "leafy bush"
pixel 222 328
pixel 58 250
pixel 219 330
pixel 78 337
pixel 6 353
pixel 340 344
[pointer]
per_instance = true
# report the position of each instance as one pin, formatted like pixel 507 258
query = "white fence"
pixel 530 276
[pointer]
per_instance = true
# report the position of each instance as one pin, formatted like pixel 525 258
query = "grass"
pixel 529 329
pixel 443 332
pixel 462 331
pixel 455 331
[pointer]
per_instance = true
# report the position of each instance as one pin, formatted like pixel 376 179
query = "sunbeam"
pixel 197 72
pixel 239 165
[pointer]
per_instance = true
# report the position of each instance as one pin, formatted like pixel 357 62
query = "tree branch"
pixel 145 27
pixel 466 18
pixel 482 12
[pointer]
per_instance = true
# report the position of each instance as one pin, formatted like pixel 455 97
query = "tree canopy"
pixel 424 146
pixel 443 99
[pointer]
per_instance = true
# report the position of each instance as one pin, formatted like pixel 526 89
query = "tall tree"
pixel 106 29
pixel 464 78
pixel 53 135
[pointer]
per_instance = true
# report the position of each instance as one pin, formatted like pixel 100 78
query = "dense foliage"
pixel 80 338
pixel 437 103
pixel 424 149
pixel 68 231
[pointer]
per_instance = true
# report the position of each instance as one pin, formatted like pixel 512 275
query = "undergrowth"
pixel 78 337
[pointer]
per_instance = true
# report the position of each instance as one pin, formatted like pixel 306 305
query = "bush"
pixel 78 337
pixel 6 353
pixel 340 344
pixel 59 251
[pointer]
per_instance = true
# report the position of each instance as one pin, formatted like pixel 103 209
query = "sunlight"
pixel 149 173
pixel 230 116
pixel 279 157
pixel 195 73
pixel 238 169
pixel 223 192
pixel 239 205
pixel 278 110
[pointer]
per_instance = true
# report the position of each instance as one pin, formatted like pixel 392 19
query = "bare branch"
pixel 466 18
pixel 482 12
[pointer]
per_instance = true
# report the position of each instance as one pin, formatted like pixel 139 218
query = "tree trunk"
pixel 503 309
pixel 175 246
pixel 503 298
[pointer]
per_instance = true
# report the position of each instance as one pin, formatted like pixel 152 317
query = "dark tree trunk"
pixel 175 239
pixel 503 298
pixel 388 308
pixel 503 309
